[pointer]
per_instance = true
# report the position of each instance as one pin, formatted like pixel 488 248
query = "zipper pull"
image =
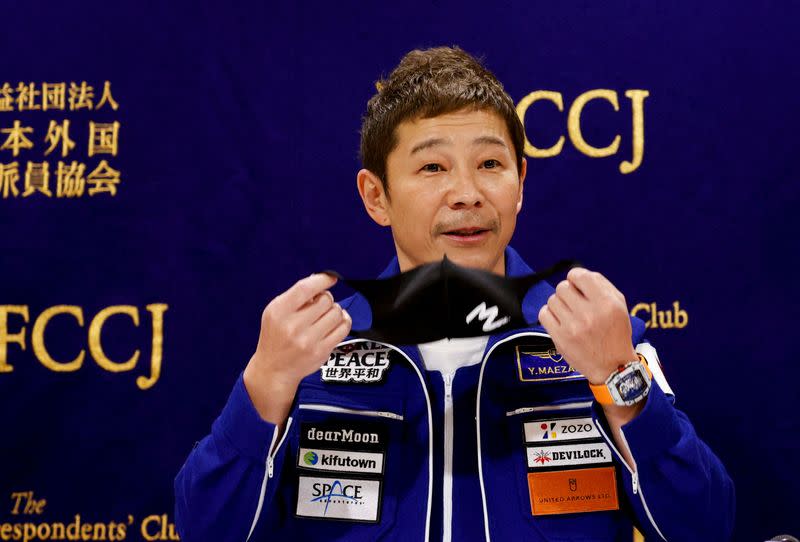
pixel 448 385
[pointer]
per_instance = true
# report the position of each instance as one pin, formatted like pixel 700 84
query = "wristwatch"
pixel 626 386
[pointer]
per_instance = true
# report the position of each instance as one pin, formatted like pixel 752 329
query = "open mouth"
pixel 466 232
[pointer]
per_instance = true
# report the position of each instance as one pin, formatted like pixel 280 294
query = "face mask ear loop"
pixel 363 287
pixel 332 273
pixel 523 284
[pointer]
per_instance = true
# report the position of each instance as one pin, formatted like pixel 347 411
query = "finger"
pixel 557 308
pixel 304 290
pixel 325 293
pixel 585 281
pixel 571 296
pixel 327 323
pixel 314 309
pixel 547 319
pixel 597 286
pixel 608 285
pixel 339 332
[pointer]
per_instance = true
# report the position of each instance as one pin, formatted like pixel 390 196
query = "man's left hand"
pixel 588 320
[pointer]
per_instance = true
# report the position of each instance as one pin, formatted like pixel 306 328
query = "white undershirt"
pixel 447 355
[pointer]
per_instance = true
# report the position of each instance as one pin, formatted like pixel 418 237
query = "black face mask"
pixel 445 300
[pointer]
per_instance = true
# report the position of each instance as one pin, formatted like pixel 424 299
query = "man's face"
pixel 453 189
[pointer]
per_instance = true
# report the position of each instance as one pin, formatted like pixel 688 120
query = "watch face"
pixel 630 385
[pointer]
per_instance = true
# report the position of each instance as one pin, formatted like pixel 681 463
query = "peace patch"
pixel 361 362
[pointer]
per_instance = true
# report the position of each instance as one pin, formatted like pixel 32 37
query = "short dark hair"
pixel 425 84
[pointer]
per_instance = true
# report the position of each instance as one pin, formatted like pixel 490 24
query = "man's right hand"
pixel 299 329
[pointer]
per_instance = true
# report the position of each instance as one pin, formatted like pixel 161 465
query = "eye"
pixel 491 163
pixel 432 168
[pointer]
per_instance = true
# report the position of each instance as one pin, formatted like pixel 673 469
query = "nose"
pixel 464 191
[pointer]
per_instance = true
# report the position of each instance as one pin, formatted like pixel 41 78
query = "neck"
pixel 498 267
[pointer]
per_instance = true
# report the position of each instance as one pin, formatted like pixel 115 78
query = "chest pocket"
pixel 347 461
pixel 568 487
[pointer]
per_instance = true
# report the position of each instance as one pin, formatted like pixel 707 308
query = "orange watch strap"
pixel 601 393
pixel 646 366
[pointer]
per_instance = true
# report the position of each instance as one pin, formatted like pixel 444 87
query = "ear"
pixel 522 173
pixel 370 188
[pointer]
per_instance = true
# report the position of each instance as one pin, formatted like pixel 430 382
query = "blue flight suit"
pixel 373 455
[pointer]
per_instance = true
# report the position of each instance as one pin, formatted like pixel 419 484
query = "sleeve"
pixel 230 476
pixel 680 491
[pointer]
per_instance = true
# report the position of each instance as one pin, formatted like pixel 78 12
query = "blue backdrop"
pixel 231 174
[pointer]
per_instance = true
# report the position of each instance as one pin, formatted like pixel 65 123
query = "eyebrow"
pixel 437 141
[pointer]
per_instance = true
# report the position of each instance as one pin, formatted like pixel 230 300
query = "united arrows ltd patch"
pixel 573 491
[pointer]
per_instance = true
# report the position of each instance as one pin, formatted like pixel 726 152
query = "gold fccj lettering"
pixel 95 344
pixel 159 527
pixel 664 319
pixel 575 132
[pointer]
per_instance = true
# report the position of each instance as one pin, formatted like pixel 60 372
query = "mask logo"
pixel 487 316
pixel 430 302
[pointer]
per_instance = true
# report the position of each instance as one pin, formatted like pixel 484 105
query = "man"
pixel 486 438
